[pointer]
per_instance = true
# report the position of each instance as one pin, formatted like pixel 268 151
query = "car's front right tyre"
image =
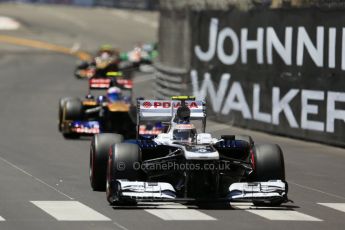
pixel 268 165
pixel 123 163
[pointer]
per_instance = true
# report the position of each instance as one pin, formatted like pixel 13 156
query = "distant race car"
pixel 103 113
pixel 184 165
pixel 142 54
pixel 106 60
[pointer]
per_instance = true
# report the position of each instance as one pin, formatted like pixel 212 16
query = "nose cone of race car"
pixel 118 107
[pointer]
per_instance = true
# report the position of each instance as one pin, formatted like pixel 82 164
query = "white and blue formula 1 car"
pixel 184 165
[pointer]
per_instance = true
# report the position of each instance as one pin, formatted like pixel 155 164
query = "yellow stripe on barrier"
pixel 43 45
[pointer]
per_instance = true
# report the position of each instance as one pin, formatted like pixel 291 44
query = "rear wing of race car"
pixel 165 110
pixel 99 83
pixel 105 83
pixel 111 79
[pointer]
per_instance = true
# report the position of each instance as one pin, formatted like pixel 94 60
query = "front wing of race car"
pixel 258 190
pixel 145 190
pixel 81 127
pixel 238 192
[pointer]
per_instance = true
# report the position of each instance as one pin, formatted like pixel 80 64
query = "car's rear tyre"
pixel 99 151
pixel 73 109
pixel 123 162
pixel 268 165
pixel 61 107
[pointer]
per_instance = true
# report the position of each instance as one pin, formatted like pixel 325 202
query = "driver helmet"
pixel 184 132
pixel 114 94
pixel 103 60
pixel 110 50
pixel 106 49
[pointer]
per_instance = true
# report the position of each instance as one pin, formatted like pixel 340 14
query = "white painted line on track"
pixel 182 215
pixel 37 179
pixel 276 214
pixel 120 14
pixel 7 23
pixel 337 206
pixel 120 226
pixel 287 215
pixel 136 18
pixel 146 21
pixel 178 212
pixel 70 211
pixel 2 219
pixel 75 47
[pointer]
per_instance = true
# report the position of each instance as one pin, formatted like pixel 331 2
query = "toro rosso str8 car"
pixel 95 114
pixel 185 164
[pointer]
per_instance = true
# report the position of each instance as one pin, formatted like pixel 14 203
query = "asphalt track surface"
pixel 44 178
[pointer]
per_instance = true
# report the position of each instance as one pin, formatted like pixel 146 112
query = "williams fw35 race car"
pixel 95 114
pixel 184 163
